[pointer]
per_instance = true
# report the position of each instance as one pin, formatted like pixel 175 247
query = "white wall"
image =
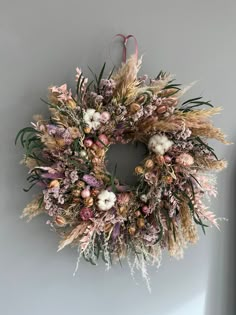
pixel 41 43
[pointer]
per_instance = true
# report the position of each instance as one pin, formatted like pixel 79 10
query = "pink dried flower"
pixel 88 143
pixel 145 209
pixel 123 198
pixel 185 159
pixel 102 141
pixel 86 213
pixel 85 193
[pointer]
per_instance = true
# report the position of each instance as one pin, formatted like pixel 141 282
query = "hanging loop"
pixel 125 40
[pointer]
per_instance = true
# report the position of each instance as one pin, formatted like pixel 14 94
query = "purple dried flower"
pixel 116 231
pixel 91 181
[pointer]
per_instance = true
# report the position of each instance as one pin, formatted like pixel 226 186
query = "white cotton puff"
pixel 159 144
pixel 106 200
pixel 92 118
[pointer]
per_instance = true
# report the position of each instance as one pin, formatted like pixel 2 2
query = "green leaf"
pixel 78 83
pixel 111 73
pixel 100 75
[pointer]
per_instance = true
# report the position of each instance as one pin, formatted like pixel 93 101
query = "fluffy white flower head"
pixel 159 144
pixel 106 200
pixel 92 118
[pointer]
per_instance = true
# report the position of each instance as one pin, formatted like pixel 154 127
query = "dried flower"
pixel 92 118
pixel 123 198
pixel 185 159
pixel 140 223
pixel 91 181
pixel 159 144
pixel 105 117
pixel 149 164
pixel 106 200
pixel 143 198
pixel 86 213
pixel 88 202
pixel 88 143
pixel 102 141
pixel 85 193
pixel 132 230
pixel 139 170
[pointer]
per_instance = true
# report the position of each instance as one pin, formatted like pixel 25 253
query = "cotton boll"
pixel 106 200
pixel 159 144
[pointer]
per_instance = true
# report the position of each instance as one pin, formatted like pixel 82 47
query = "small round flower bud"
pixel 149 164
pixel 139 170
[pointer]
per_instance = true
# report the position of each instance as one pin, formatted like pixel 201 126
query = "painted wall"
pixel 41 44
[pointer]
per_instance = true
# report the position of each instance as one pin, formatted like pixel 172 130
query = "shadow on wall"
pixel 222 278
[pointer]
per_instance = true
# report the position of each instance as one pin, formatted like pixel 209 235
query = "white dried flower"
pixel 106 200
pixel 144 198
pixel 159 144
pixel 83 153
pixel 92 118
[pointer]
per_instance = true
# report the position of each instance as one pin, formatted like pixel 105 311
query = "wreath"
pixel 87 205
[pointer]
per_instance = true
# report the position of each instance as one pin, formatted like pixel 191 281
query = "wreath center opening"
pixel 123 158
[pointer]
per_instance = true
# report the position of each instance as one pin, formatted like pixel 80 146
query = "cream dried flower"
pixel 159 144
pixel 92 118
pixel 185 159
pixel 106 200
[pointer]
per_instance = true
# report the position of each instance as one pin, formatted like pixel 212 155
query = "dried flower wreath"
pixel 87 205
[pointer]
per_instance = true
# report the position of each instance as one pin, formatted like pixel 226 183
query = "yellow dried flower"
pixel 139 170
pixel 140 223
pixel 54 184
pixel 149 164
pixel 132 230
pixel 71 104
pixel 87 130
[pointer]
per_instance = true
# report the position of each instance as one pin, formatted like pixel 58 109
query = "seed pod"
pixel 80 184
pixel 122 211
pixel 160 159
pixel 60 221
pixel 107 227
pixel 76 193
pixel 149 164
pixel 132 230
pixel 94 192
pixel 88 202
pixel 139 170
pixel 134 107
pixel 141 98
pixel 140 223
pixel 161 109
